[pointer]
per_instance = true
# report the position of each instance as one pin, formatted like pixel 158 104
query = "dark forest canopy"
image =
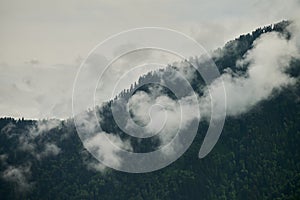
pixel 257 156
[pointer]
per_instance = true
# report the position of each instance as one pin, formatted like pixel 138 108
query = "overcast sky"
pixel 42 42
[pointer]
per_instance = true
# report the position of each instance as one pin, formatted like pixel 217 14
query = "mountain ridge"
pixel 256 157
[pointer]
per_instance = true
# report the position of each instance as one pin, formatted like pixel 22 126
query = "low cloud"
pixel 161 114
pixel 265 64
pixel 32 140
pixel 91 163
pixel 20 176
pixel 8 130
pixel 50 149
pixel 28 143
pixel 261 73
pixel 104 151
pixel 43 126
pixel 100 144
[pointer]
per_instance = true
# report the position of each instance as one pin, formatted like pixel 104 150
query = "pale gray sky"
pixel 42 41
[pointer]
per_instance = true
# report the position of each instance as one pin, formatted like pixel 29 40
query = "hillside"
pixel 257 156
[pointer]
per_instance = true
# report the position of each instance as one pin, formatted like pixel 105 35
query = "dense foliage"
pixel 257 156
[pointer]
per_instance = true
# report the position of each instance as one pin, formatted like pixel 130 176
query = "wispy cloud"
pixel 28 143
pixel 265 64
pixel 19 175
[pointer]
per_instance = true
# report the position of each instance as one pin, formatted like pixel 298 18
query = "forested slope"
pixel 257 156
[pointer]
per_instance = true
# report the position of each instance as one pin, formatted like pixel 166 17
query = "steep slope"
pixel 257 156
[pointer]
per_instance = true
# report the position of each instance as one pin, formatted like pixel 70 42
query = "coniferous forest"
pixel 257 156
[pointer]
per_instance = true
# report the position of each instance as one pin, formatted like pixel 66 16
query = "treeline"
pixel 257 156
